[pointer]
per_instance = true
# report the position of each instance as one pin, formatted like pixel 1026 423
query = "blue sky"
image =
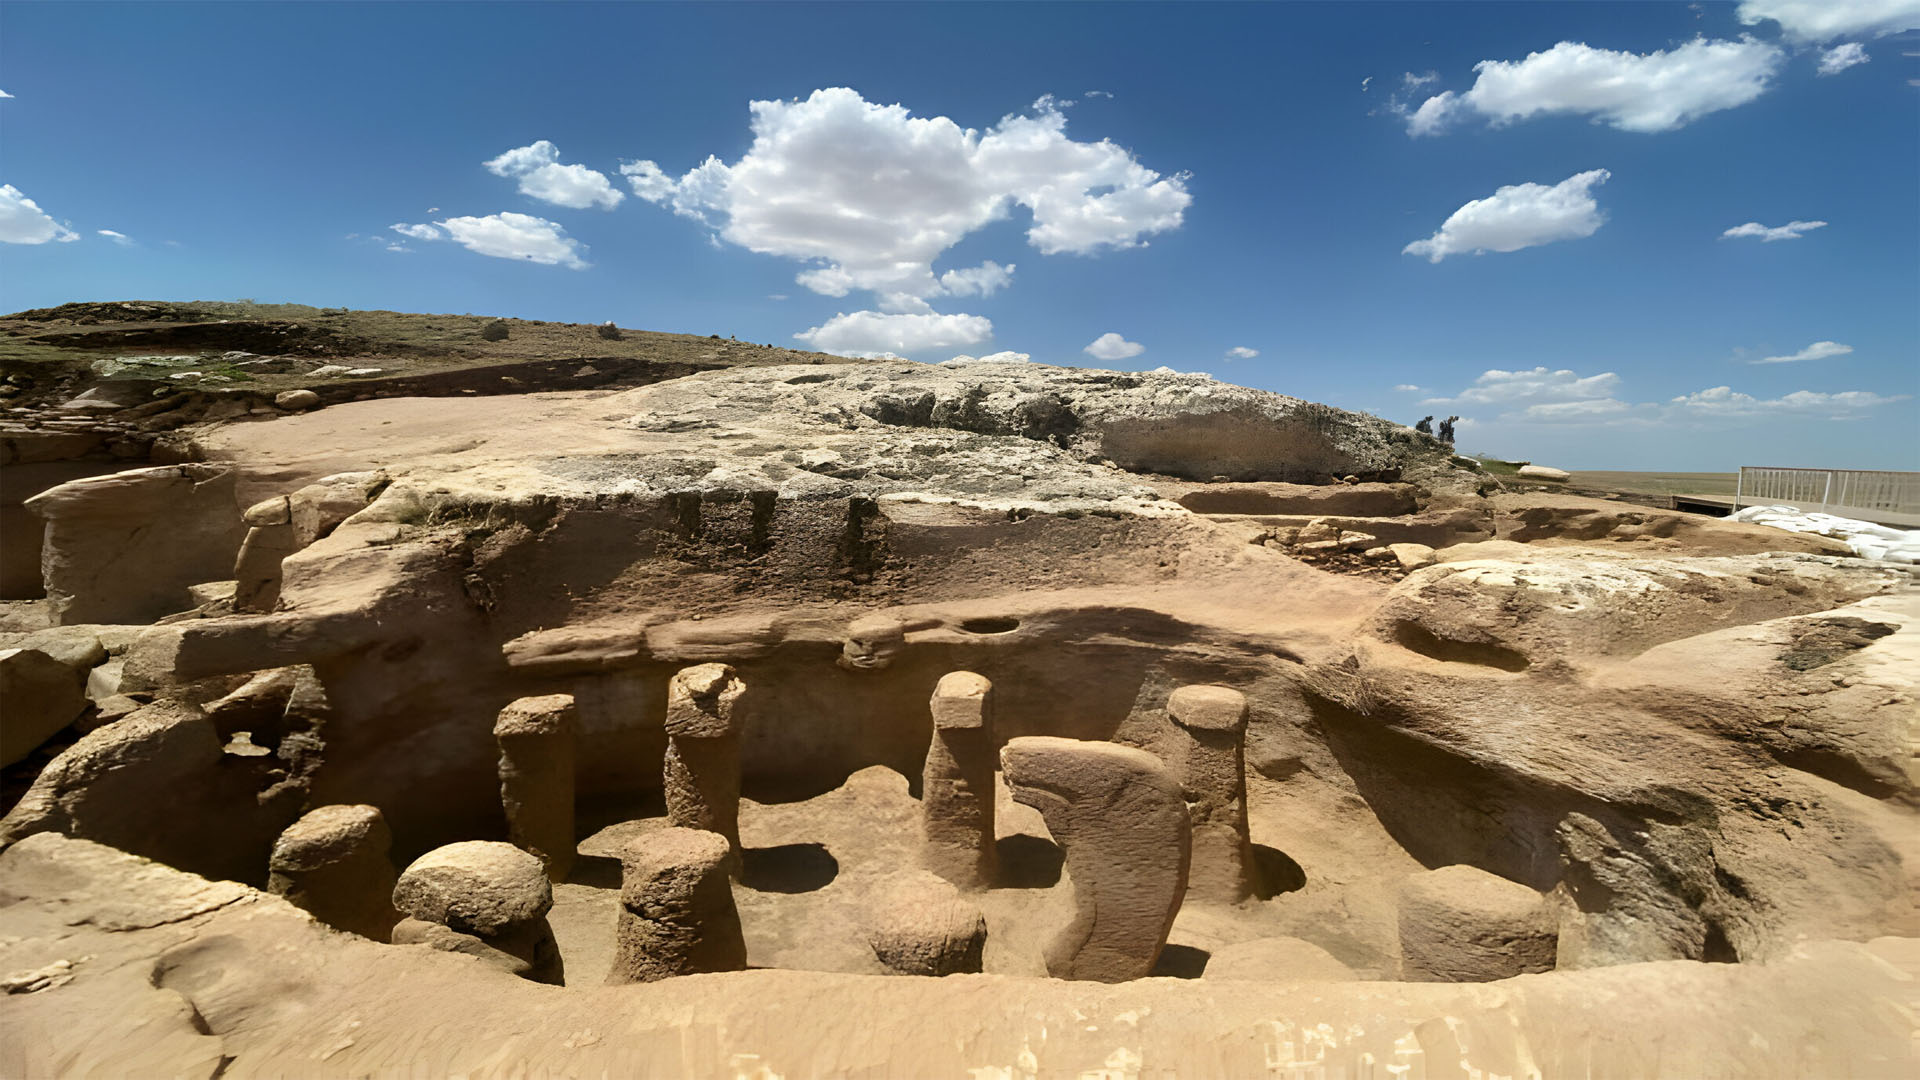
pixel 1512 212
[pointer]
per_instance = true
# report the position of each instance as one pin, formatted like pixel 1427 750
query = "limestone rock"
pixel 477 886
pixel 78 647
pixel 333 863
pixel 957 788
pixel 126 547
pixel 42 696
pixel 676 907
pixel 1543 472
pixel 1120 817
pixel 536 736
pixel 1276 960
pixel 1208 758
pixel 1412 556
pixel 297 399
pixel 1462 924
pixel 922 925
pixel 702 775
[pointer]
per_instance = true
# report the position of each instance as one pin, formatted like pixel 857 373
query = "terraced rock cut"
pixel 725 708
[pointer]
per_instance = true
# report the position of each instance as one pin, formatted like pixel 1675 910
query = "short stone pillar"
pixel 703 750
pixel 1463 924
pixel 333 864
pixel 676 908
pixel 1119 815
pixel 1208 757
pixel 956 785
pixel 536 778
pixel 494 899
pixel 919 924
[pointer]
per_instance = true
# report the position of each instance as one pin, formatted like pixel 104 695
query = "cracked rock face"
pixel 1529 735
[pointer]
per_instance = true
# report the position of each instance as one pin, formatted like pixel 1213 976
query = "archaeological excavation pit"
pixel 820 717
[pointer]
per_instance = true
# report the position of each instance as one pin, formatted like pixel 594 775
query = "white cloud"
pixel 509 235
pixel 1408 388
pixel 537 167
pixel 1096 93
pixel 401 248
pixel 983 280
pixel 1814 21
pixel 1414 82
pixel 1008 357
pixel 418 232
pixel 1537 385
pixel 1543 396
pixel 870 333
pixel 1843 56
pixel 1241 352
pixel 1725 401
pixel 777 296
pixel 1819 350
pixel 23 222
pixel 117 237
pixel 1792 230
pixel 1659 91
pixel 4 94
pixel 1518 216
pixel 874 195
pixel 1111 346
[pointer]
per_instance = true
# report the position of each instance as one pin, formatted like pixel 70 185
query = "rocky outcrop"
pixel 1462 924
pixel 42 696
pixel 125 547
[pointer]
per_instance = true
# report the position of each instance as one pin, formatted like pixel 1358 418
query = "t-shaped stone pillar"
pixel 956 789
pixel 536 778
pixel 703 750
pixel 333 863
pixel 1120 817
pixel 676 908
pixel 1208 757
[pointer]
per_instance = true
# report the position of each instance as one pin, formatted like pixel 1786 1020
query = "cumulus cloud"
pixel 1659 91
pixel 1007 357
pixel 509 235
pixel 1518 216
pixel 1815 21
pixel 1819 350
pixel 983 280
pixel 1792 230
pixel 117 237
pixel 1843 56
pixel 1111 346
pixel 417 232
pixel 4 94
pixel 537 167
pixel 874 195
pixel 1241 352
pixel 23 222
pixel 871 333
pixel 1543 396
pixel 1536 385
pixel 1725 401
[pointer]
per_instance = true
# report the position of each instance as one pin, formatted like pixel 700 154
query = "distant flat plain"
pixel 1658 483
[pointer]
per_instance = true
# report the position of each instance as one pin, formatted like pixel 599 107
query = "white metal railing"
pixel 1839 489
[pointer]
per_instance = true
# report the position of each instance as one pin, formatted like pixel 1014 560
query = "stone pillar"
pixel 494 899
pixel 333 863
pixel 1208 757
pixel 703 750
pixel 536 778
pixel 921 925
pixel 1119 815
pixel 676 908
pixel 956 786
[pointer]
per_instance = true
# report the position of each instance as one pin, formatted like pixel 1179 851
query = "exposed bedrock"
pixel 1120 817
pixel 218 978
pixel 1462 924
pixel 124 547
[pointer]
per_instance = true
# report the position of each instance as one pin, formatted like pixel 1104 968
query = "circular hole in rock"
pixel 789 868
pixel 1275 872
pixel 990 625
